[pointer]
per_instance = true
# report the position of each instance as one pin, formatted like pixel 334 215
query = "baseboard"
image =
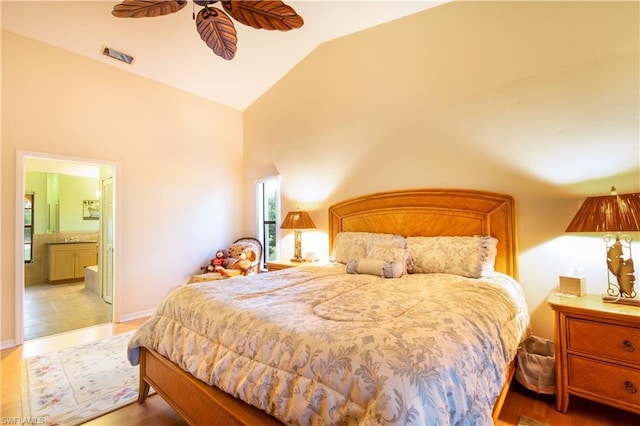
pixel 6 344
pixel 136 315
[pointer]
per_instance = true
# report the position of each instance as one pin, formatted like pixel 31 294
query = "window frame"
pixel 29 197
pixel 263 222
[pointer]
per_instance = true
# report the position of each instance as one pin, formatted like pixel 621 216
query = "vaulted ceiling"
pixel 169 50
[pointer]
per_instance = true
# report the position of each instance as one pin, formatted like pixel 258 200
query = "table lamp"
pixel 297 221
pixel 613 213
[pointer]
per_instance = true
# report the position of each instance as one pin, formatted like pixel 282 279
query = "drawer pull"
pixel 630 387
pixel 628 346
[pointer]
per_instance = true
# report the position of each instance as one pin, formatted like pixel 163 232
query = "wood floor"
pixel 155 411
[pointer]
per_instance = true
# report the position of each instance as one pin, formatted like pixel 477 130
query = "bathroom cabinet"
pixel 68 260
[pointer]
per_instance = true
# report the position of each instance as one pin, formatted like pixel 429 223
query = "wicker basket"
pixel 536 369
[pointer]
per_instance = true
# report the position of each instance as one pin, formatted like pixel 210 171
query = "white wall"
pixel 539 100
pixel 179 196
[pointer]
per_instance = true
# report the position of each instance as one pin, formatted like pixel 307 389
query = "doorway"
pixel 76 302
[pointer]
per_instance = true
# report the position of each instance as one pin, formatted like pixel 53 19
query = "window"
pixel 28 227
pixel 268 214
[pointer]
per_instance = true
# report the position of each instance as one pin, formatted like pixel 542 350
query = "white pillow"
pixel 466 256
pixel 350 245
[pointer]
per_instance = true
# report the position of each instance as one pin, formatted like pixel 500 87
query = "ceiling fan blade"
pixel 146 8
pixel 217 31
pixel 268 15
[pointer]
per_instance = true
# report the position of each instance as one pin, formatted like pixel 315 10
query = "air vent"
pixel 117 55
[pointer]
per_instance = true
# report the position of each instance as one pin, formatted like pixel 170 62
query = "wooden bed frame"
pixel 427 212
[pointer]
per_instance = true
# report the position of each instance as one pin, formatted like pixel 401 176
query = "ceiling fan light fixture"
pixel 112 53
pixel 214 23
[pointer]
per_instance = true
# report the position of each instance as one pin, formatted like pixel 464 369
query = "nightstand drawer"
pixel 605 340
pixel 620 384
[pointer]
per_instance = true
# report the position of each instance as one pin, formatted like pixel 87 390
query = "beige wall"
pixel 179 156
pixel 537 100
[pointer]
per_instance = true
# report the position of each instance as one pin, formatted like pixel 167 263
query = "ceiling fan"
pixel 213 23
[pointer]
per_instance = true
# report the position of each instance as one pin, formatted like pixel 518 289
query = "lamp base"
pixel 634 301
pixel 295 259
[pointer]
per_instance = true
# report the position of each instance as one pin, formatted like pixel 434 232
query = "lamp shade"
pixel 608 213
pixel 298 220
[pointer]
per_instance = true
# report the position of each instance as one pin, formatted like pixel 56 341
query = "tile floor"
pixel 52 309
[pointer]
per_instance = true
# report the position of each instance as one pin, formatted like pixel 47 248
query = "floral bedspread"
pixel 314 345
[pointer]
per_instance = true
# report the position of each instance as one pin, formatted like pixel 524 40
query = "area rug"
pixel 77 384
pixel 528 421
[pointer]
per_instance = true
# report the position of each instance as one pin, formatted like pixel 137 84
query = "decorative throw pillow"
pixel 390 253
pixel 386 240
pixel 349 245
pixel 393 254
pixel 377 267
pixel 465 256
pixel 393 269
pixel 361 265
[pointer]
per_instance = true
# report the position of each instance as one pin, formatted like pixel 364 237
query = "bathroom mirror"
pixel 60 204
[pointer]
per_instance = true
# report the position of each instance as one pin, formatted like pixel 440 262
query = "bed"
pixel 316 345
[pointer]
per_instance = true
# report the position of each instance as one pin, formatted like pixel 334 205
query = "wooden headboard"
pixel 433 212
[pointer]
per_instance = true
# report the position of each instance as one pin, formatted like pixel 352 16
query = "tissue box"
pixel 573 285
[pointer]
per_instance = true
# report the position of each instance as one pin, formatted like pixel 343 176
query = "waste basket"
pixel 536 367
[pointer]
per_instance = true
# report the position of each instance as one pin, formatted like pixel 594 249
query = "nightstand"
pixel 276 265
pixel 597 349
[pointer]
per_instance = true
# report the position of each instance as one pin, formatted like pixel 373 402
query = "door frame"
pixel 21 157
pixel 106 251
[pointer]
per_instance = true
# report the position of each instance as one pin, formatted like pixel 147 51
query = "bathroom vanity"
pixel 67 260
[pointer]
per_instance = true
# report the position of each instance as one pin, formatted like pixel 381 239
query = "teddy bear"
pixel 240 266
pixel 218 262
